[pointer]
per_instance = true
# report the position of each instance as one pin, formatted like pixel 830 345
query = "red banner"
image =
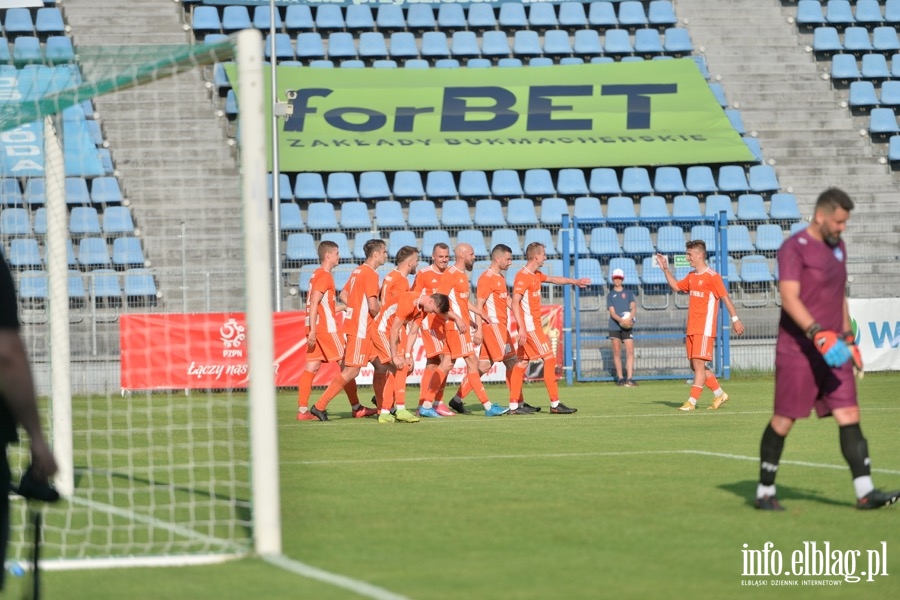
pixel 209 351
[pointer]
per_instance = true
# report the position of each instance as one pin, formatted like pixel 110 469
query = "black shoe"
pixel 620 382
pixel 459 407
pixel 522 410
pixel 768 503
pixel 530 407
pixel 375 402
pixel 877 499
pixel 630 383
pixel 562 409
pixel 321 415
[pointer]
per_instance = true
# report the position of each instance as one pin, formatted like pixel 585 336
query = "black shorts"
pixel 621 334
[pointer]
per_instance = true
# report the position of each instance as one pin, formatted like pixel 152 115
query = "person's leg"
pixel 617 358
pixel 770 448
pixel 629 360
pixel 698 366
pixel 304 387
pixel 720 397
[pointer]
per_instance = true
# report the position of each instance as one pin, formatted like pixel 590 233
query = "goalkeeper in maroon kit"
pixel 815 356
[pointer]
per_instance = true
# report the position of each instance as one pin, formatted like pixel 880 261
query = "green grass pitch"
pixel 628 498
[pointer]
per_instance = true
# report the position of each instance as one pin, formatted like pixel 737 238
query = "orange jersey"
pixel 323 281
pixel 427 280
pixel 404 307
pixel 492 289
pixel 363 284
pixel 394 284
pixel 704 289
pixel 528 284
pixel 455 284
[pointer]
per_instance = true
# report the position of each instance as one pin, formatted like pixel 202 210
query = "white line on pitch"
pixel 354 585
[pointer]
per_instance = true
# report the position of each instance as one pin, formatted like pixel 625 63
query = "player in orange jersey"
pixel 492 296
pixel 361 298
pixel 705 288
pixel 395 283
pixel 324 343
pixel 438 362
pixel 387 331
pixel 533 343
pixel 460 340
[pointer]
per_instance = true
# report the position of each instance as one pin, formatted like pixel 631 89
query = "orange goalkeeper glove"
pixel 855 354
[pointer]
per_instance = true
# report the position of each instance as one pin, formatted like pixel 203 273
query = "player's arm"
pixel 663 263
pixel 312 314
pixel 398 358
pixel 582 282
pixel 518 317
pixel 374 305
pixel 736 323
pixel 342 297
pixel 414 327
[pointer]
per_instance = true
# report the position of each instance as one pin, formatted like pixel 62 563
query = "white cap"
pixel 618 273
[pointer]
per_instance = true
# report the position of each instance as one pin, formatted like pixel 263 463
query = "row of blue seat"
pixel 883 124
pixel 856 40
pixel 136 285
pixel 841 13
pixel 448 17
pixel 82 220
pixel 93 253
pixel 533 183
pixel 864 97
pixel 102 191
pixel 846 68
pixel 43 22
pixel 600 242
pixel 28 50
pixel 521 212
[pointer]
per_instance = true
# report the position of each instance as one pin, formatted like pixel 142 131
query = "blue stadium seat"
pixel 300 247
pixel 526 43
pixel 474 238
pixel 874 68
pixel 617 43
pixel 605 242
pixel 15 221
pixel 653 211
pixel 321 216
pixel 556 42
pixel 77 291
pixel 783 208
pixel 512 16
pixel 719 93
pixel 868 12
pixel 885 40
pixel 481 17
pixel 629 266
pixel 653 281
pixel 464 44
pixel 93 253
pixel 572 16
pixel 751 208
pixel 373 185
pixel 636 241
pixel 341 186
pixel 602 15
pixel 505 183
pixel 732 180
pixel 106 288
pixel 538 184
pixel 734 117
pixel 77 191
pixel 755 269
pixel 857 41
pixel 894 151
pixel 620 212
pixel 826 42
pixel 355 215
pixel 342 275
pixel 604 182
pixel 587 41
pixel 661 14
pixel 762 179
pixel 587 210
pixel 636 182
pixel 359 244
pixel 508 237
pixel 739 241
pixel 450 17
pixel 435 45
pixel 309 46
pixel 839 14
pixel 359 18
pixel 403 45
pixel 309 187
pixel 769 238
pixel 127 253
pixel 455 214
pixel 631 15
pixel 371 43
pixel 716 203
pixel 552 211
pixel 339 238
pixel 489 213
pixel 83 220
pixel 670 240
pixel 542 17
pixel 844 69
pixel 667 181
pixel 422 215
pixel 892 12
pixel 408 184
pixel 677 42
pixel 139 287
pixel 553 267
pixel 541 236
pixel 341 45
pixel 890 94
pixel 10 193
pixel 882 124
pixel 590 268
pixel 58 50
pixel 33 287
pixel 205 20
pixel 707 233
pixel 798 226
pixel 809 15
pixel 420 17
pixel 24 253
pixel 390 18
pixel 439 185
pixel 575 239
pixel 520 212
pixel 285 194
pixel 262 19
pixel 49 21
pixel 494 44
pixel 435 236
pixel 570 183
pixel 40 221
pixel 289 217
pixel 647 43
pixel 701 65
pixel 389 215
pixel 236 18
pixel 297 18
pixel 473 184
pixel 27 51
pixel 503 62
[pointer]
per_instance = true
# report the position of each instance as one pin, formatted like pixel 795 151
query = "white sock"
pixel 863 485
pixel 385 412
pixel 765 490
pixel 488 406
pixel 718 392
pixel 400 406
pixel 692 401
pixel 303 409
pixel 427 404
pixel 356 406
pixel 513 405
pixel 456 399
pixel 554 403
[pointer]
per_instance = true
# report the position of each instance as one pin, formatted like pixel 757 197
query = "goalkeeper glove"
pixel 833 349
pixel 855 355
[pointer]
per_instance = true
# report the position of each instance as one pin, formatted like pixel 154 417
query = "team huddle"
pixel 381 324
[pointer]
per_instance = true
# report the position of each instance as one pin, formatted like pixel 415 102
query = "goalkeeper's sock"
pixel 856 452
pixel 770 449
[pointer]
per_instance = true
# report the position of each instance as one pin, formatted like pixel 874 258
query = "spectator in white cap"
pixel 622 309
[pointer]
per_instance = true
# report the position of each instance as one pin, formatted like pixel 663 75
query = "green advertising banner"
pixel 594 115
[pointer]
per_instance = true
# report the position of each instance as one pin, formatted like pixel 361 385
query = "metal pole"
pixel 276 187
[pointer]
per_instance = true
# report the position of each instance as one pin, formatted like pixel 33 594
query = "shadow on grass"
pixel 669 403
pixel 747 490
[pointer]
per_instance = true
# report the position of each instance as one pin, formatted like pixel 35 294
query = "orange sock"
pixel 387 391
pixel 334 388
pixel 352 393
pixel 474 380
pixel 304 388
pixel 516 381
pixel 712 383
pixel 464 388
pixel 378 379
pixel 441 384
pixel 400 386
pixel 696 390
pixel 425 386
pixel 550 378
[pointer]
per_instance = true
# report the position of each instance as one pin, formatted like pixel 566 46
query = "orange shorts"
pixel 700 346
pixel 433 338
pixel 329 348
pixel 357 352
pixel 495 344
pixel 537 345
pixel 459 342
pixel 380 347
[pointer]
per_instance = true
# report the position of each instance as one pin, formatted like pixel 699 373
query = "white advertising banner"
pixel 876 323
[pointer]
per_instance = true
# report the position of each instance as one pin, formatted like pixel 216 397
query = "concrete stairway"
pixel 785 96
pixel 169 149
